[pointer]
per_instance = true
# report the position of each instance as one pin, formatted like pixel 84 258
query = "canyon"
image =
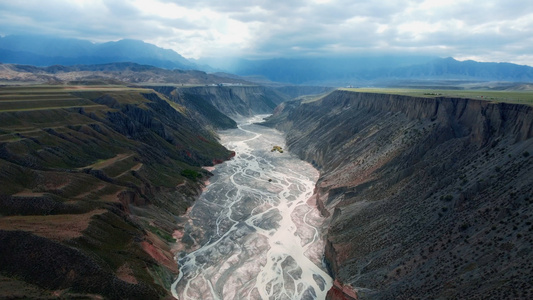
pixel 93 179
pixel 419 197
pixel 426 197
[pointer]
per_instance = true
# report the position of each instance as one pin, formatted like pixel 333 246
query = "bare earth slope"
pixel 426 197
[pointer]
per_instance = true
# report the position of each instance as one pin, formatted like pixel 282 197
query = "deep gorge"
pixel 426 197
pixel 422 197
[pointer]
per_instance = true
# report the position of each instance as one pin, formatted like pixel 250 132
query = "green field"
pixel 521 97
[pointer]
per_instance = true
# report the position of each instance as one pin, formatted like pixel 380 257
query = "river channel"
pixel 252 233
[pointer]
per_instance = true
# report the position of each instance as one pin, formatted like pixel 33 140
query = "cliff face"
pixel 426 197
pixel 233 101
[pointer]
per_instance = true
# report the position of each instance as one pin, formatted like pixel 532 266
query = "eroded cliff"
pixel 233 101
pixel 426 197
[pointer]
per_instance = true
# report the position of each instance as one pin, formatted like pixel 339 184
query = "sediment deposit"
pixel 252 234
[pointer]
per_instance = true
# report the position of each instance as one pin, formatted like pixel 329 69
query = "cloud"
pixel 492 30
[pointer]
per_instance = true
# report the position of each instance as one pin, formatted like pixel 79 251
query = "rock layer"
pixel 233 101
pixel 426 197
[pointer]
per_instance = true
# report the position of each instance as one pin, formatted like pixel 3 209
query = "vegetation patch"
pixel 162 234
pixel 191 174
pixel 277 148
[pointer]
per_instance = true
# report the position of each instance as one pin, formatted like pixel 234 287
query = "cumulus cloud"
pixel 492 30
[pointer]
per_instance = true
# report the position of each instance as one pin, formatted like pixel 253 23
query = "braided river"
pixel 254 233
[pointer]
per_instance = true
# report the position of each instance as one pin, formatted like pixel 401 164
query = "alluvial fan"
pixel 255 235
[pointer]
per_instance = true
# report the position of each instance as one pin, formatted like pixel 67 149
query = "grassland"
pixel 507 96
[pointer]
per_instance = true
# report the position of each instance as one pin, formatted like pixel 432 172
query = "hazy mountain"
pixel 46 51
pixel 314 70
pixel 373 70
pixel 420 194
pixel 376 70
pixel 46 45
pixel 453 69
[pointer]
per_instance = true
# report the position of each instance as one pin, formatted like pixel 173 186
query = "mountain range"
pixel 384 70
pixel 46 51
pixel 377 70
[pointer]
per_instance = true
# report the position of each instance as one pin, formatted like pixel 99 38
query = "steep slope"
pixel 233 101
pixel 426 197
pixel 92 180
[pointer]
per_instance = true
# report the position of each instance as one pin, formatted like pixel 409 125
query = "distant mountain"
pixel 47 51
pixel 370 70
pixel 314 70
pixel 449 68
pixel 374 70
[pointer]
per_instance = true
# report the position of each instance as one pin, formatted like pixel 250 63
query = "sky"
pixel 482 30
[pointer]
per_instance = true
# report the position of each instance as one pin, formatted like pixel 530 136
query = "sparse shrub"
pixel 191 174
pixel 525 154
pixel 446 198
pixel 464 226
pixel 277 148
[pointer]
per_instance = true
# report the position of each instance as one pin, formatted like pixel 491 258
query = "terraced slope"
pixel 91 181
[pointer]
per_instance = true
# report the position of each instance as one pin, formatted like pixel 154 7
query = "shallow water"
pixel 251 235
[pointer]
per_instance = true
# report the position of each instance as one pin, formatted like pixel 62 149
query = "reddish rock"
pixel 162 256
pixel 131 197
pixel 341 292
pixel 219 161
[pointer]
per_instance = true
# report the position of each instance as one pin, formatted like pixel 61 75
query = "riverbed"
pixel 254 233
